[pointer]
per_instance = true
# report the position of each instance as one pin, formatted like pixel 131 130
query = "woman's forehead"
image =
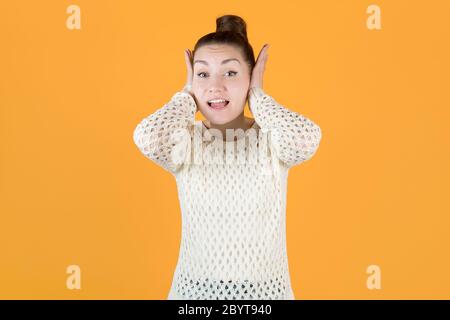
pixel 217 54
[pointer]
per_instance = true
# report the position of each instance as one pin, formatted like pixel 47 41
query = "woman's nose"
pixel 216 84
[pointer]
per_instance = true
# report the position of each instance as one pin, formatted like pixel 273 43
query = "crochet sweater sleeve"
pixel 158 136
pixel 295 138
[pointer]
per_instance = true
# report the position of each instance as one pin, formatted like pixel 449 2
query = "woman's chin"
pixel 218 119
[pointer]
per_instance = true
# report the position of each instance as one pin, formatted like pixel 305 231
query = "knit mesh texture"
pixel 233 241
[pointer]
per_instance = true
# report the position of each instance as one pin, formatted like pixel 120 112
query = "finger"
pixel 260 54
pixel 188 67
pixel 190 57
pixel 187 58
pixel 264 60
pixel 266 49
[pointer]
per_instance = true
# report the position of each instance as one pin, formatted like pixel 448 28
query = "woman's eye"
pixel 204 73
pixel 234 72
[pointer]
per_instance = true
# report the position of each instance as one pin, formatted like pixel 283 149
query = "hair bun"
pixel 232 23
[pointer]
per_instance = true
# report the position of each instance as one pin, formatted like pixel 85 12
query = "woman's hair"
pixel 231 30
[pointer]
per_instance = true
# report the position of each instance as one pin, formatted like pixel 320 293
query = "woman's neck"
pixel 241 122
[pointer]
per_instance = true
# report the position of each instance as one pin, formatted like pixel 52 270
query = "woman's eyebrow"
pixel 223 62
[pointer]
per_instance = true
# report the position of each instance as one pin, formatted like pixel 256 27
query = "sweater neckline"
pixel 234 141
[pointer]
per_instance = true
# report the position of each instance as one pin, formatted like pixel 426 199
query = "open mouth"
pixel 218 104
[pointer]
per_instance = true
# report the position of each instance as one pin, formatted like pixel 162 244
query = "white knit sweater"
pixel 233 242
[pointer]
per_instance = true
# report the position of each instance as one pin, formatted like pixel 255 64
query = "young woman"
pixel 233 243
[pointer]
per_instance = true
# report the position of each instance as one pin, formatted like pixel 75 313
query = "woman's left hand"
pixel 258 69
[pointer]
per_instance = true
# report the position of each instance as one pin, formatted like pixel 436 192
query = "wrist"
pixel 187 88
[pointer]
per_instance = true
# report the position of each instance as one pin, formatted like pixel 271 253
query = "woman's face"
pixel 220 72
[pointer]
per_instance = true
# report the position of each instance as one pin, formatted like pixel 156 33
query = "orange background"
pixel 76 190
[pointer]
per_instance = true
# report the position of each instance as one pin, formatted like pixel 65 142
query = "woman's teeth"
pixel 218 103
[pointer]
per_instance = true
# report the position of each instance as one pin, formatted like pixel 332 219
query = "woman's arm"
pixel 159 136
pixel 294 137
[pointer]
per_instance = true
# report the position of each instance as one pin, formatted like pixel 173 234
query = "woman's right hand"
pixel 189 70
